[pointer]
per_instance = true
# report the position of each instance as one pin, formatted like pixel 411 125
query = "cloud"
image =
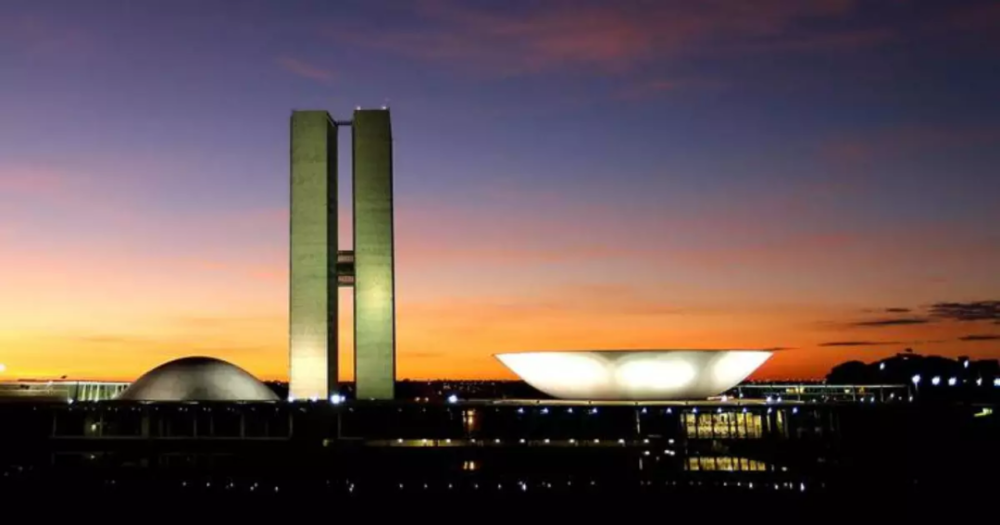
pixel 967 311
pixel 112 339
pixel 902 321
pixel 898 310
pixel 198 323
pixel 421 355
pixel 648 89
pixel 609 36
pixel 980 337
pixel 40 37
pixel 983 18
pixel 305 69
pixel 779 348
pixel 30 181
pixel 899 141
pixel 860 343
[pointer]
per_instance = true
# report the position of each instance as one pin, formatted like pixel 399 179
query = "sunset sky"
pixel 819 176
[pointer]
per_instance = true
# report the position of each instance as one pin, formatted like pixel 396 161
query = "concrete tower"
pixel 374 279
pixel 312 316
pixel 317 268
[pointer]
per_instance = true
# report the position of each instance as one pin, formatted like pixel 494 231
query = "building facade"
pixel 318 268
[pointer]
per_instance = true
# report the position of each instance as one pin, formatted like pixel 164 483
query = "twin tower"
pixel 318 268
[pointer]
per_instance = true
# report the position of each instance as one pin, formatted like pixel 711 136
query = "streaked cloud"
pixel 901 321
pixel 644 90
pixel 980 337
pixel 41 36
pixel 968 311
pixel 306 70
pixel 30 181
pixel 900 141
pixel 611 36
pixel 111 339
pixel 860 343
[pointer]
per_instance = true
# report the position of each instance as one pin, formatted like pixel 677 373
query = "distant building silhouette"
pixel 928 376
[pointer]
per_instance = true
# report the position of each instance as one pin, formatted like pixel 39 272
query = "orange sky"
pixel 819 176
pixel 105 309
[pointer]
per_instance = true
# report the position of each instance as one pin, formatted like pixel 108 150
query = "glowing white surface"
pixel 635 375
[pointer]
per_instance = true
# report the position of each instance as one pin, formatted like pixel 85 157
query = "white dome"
pixel 644 375
pixel 198 379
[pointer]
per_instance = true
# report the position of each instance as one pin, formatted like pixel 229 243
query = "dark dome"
pixel 198 379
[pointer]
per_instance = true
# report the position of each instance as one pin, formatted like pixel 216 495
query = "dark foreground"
pixel 704 462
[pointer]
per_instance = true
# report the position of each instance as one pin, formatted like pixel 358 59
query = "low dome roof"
pixel 198 379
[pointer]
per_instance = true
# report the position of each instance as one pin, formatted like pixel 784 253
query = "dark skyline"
pixel 815 175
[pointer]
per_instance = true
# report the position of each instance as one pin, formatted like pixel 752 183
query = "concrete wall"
pixel 313 278
pixel 374 287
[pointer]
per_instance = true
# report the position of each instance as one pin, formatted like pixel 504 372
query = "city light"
pixel 916 379
pixel 936 380
pixel 979 382
pixel 952 381
pixel 881 366
pixel 453 399
pixel 996 382
pixel 336 399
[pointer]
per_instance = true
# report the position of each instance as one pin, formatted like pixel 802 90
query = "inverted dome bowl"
pixel 645 375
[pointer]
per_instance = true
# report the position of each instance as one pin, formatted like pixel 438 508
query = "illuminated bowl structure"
pixel 641 375
pixel 198 379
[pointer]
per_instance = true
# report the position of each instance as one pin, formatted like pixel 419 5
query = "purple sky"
pixel 700 173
